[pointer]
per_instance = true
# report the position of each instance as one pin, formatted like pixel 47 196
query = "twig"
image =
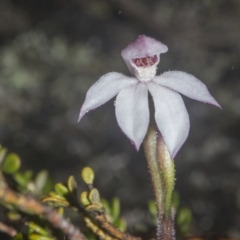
pixel 102 220
pixel 7 229
pixel 97 230
pixel 30 205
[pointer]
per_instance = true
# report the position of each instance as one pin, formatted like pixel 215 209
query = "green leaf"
pixel 106 205
pixel 184 218
pixel 61 189
pixel 95 208
pixel 11 163
pixel 121 224
pixel 152 208
pixel 27 175
pixel 56 202
pixel 60 211
pixel 84 198
pixel 94 197
pixel 56 195
pixel 35 236
pixel 72 186
pixel 2 153
pixel 20 179
pixel 19 236
pixel 41 180
pixel 47 187
pixel 13 216
pixel 88 175
pixel 115 208
pixel 34 228
pixel 9 206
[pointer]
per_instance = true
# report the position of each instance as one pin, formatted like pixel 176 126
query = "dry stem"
pixel 7 229
pixel 102 220
pixel 29 204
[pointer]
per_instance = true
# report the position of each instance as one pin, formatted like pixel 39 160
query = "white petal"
pixel 187 85
pixel 104 89
pixel 132 112
pixel 171 117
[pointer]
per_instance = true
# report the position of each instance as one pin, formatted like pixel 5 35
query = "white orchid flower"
pixel 132 110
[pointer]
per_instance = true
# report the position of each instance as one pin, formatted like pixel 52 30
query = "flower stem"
pixel 167 168
pixel 161 169
pixel 150 149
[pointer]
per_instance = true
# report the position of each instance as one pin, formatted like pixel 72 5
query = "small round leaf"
pixel 11 163
pixel 61 189
pixel 72 184
pixel 88 175
pixel 84 198
pixel 41 180
pixel 94 196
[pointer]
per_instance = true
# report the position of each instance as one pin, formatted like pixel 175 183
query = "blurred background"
pixel 52 51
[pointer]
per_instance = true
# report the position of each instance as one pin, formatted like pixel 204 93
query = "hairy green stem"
pixel 151 153
pixel 161 168
pixel 168 172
